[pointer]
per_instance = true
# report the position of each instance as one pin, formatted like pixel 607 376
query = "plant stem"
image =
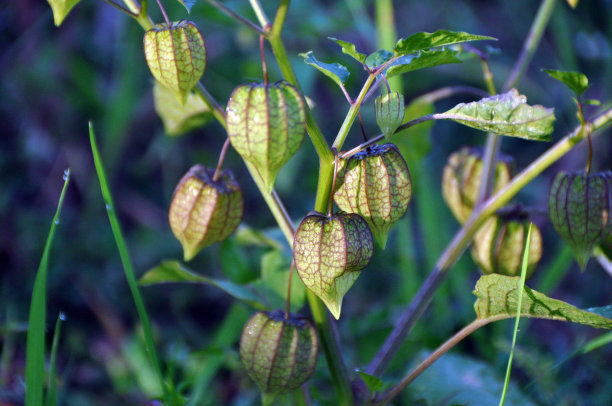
pixel 464 236
pixel 163 11
pixel 264 68
pixel 288 304
pixel 260 13
pixel 224 9
pixel 433 357
pixel 531 43
pixel 120 8
pixel 221 159
pixel 447 91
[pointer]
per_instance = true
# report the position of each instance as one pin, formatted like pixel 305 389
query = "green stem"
pixel 531 43
pixel 243 20
pixel 433 357
pixel 386 35
pixel 462 239
pixel 127 267
pixel 352 113
pixel 260 13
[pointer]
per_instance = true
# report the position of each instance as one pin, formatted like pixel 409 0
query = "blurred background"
pixel 53 80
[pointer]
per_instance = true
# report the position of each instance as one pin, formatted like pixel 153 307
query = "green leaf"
pixel 174 271
pixel 178 119
pixel 61 8
pixel 188 4
pixel 336 72
pixel 422 60
pixel 577 82
pixel 236 262
pixel 592 102
pixel 375 59
pixel 373 383
pixel 497 298
pixel 505 114
pixel 35 340
pixel 425 40
pixel 349 49
pixel 248 236
pixel 51 398
pixel 274 281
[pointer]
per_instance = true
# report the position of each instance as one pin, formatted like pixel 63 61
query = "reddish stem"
pixel 363 132
pixel 161 7
pixel 221 159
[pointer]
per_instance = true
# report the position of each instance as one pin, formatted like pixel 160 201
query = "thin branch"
pixel 461 240
pixel 121 8
pixel 433 357
pixel 221 159
pixel 448 91
pixel 260 13
pixel 231 13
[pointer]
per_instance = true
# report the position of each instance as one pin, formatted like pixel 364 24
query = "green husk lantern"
pixel 176 55
pixel 390 112
pixel 279 353
pixel 375 184
pixel 266 126
pixel 579 206
pixel 329 252
pixel 461 180
pixel 204 211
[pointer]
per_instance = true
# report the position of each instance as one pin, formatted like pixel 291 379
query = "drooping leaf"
pixel 61 8
pixel 275 278
pixel 422 60
pixel 425 40
pixel 179 119
pixel 505 114
pixel 576 81
pixel 349 49
pixel 335 71
pixel 174 271
pixel 188 4
pixel 375 59
pixel 497 297
pixel 373 383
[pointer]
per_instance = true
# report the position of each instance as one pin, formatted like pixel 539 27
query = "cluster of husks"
pixel 579 205
pixel 204 211
pixel 176 55
pixel 279 353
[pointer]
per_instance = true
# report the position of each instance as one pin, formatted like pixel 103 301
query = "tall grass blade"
pixel 51 399
pixel 127 266
pixel 35 342
pixel 518 315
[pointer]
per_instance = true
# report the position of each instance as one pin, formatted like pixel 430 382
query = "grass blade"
pixel 51 399
pixel 35 346
pixel 127 266
pixel 502 400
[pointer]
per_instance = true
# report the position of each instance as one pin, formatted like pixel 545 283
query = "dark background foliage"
pixel 93 68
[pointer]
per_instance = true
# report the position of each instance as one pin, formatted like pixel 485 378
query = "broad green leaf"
pixel 61 8
pixel 174 271
pixel 373 383
pixel 576 81
pixel 274 281
pixel 349 49
pixel 422 60
pixel 505 114
pixel 35 340
pixel 336 72
pixel 188 4
pixel 248 236
pixel 375 59
pixel 179 119
pixel 236 262
pixel 497 298
pixel 456 379
pixel 425 40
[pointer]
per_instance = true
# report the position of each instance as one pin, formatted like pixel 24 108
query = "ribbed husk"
pixel 278 353
pixel 176 56
pixel 499 244
pixel 461 180
pixel 203 212
pixel 266 125
pixel 329 253
pixel 389 109
pixel 375 184
pixel 579 206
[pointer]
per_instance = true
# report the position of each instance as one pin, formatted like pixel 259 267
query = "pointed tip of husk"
pixel 583 260
pixel 334 307
pixel 189 253
pixel 380 238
